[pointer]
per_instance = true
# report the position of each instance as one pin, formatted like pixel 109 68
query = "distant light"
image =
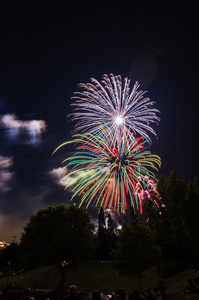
pixel 119 120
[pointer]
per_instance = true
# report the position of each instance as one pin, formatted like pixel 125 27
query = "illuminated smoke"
pixel 59 175
pixel 5 175
pixel 34 128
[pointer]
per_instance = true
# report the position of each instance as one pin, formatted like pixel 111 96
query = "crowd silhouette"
pixel 157 293
pixel 192 286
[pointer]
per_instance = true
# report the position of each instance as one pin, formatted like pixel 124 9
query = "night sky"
pixel 48 47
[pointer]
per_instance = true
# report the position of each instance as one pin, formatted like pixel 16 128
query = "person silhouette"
pixel 27 293
pixel 72 294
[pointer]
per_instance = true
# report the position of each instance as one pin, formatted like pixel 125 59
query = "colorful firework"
pixel 114 103
pixel 146 189
pixel 107 167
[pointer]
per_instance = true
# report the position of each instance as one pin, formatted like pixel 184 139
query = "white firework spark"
pixel 113 102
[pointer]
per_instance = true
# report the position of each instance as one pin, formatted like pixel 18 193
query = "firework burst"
pixel 107 167
pixel 113 102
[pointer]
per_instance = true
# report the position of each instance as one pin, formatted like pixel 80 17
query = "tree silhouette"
pixel 176 221
pixel 56 234
pixel 136 250
pixel 105 235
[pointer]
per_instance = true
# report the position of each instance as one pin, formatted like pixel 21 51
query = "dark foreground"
pixel 43 294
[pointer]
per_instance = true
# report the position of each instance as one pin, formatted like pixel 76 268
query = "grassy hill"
pixel 100 275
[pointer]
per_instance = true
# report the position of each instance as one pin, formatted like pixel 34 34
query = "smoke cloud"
pixel 6 175
pixel 34 128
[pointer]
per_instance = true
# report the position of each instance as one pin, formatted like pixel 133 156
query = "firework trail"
pixel 108 167
pixel 113 102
